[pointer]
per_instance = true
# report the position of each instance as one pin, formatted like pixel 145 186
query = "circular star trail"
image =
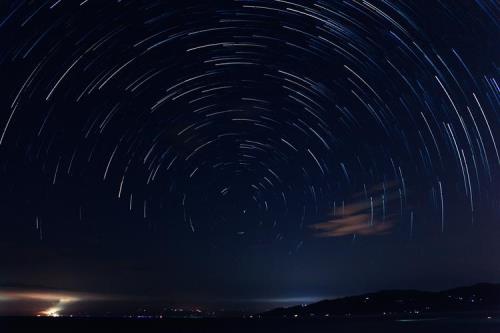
pixel 250 121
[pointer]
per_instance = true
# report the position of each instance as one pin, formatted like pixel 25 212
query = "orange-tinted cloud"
pixel 362 216
pixel 359 224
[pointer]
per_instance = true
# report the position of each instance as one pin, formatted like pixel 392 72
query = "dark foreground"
pixel 475 325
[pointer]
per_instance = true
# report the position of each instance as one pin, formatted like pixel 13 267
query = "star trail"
pixel 259 134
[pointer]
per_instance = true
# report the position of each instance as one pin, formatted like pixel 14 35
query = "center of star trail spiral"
pixel 252 119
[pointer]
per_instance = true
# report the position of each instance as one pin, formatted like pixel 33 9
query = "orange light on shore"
pixel 51 312
pixel 54 311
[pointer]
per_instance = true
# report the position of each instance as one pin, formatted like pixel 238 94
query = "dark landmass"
pixel 479 298
pixel 243 325
pixel 466 309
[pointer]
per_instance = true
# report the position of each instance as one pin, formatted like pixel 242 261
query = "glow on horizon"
pixel 59 300
pixel 54 311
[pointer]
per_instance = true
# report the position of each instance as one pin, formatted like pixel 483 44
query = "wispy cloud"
pixel 365 214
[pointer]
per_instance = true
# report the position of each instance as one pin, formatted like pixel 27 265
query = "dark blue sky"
pixel 244 154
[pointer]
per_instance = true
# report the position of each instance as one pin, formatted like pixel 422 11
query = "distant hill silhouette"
pixel 479 297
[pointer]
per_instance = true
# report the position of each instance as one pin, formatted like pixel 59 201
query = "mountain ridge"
pixel 477 297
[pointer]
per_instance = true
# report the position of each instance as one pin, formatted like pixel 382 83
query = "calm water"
pixel 481 325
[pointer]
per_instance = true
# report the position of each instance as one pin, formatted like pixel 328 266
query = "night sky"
pixel 245 154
